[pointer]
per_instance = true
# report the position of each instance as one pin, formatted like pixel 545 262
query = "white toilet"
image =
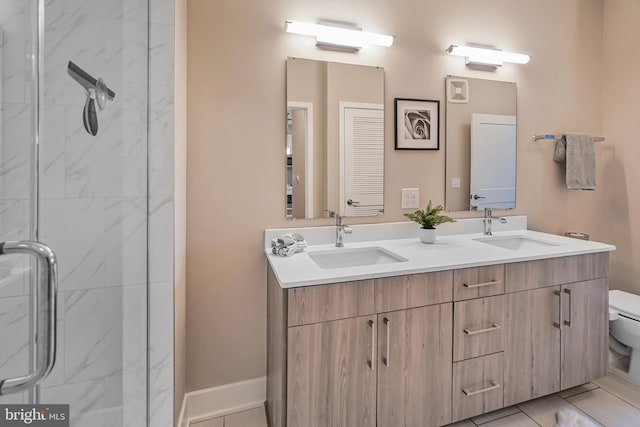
pixel 624 328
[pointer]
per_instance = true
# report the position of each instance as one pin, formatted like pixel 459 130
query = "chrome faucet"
pixel 487 221
pixel 341 228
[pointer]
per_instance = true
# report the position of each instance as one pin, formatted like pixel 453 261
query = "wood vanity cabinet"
pixel 585 333
pixel 333 367
pixel 331 378
pixel 366 353
pixel 425 350
pixel 532 345
pixel 414 367
pixel 557 333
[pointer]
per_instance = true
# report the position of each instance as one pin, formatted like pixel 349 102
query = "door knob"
pixel 352 203
pixel 476 197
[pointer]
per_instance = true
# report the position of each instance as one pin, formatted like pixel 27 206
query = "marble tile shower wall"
pixel 94 209
pixel 94 205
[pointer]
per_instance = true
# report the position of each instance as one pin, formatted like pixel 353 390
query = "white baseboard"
pixel 182 419
pixel 219 401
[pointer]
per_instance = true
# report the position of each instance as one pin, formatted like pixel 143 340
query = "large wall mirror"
pixel 334 139
pixel 481 144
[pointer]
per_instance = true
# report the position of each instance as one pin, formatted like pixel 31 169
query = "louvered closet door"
pixel 364 162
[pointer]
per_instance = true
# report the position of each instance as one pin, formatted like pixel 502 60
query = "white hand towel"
pixel 569 417
pixel 576 151
pixel 288 244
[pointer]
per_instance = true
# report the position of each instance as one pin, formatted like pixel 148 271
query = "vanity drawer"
pixel 414 290
pixel 478 327
pixel 322 303
pixel 477 386
pixel 478 282
pixel 522 276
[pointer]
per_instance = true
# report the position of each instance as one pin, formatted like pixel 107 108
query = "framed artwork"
pixel 417 124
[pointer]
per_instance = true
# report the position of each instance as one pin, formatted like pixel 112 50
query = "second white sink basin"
pixel 356 257
pixel 516 243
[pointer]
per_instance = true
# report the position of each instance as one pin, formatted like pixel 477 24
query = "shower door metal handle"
pixel 46 307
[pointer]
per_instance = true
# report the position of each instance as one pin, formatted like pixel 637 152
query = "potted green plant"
pixel 429 218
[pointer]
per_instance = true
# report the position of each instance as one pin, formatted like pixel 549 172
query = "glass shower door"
pixel 18 201
pixel 73 175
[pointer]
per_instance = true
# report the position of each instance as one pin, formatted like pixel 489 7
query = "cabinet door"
pixel 331 374
pixel 414 367
pixel 532 345
pixel 585 331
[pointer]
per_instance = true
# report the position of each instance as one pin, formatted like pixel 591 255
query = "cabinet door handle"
pixel 387 324
pixel 495 327
pixel 559 295
pixel 480 285
pixel 372 325
pixel 494 386
pixel 568 322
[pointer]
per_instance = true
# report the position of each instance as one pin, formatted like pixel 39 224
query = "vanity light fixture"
pixel 486 57
pixel 338 35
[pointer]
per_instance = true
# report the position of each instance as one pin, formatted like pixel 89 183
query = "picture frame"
pixel 417 124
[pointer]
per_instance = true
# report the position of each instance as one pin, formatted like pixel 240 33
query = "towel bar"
pixel 557 137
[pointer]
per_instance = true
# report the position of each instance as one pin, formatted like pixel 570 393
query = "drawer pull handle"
pixel 481 285
pixel 495 327
pixel 372 364
pixel 494 386
pixel 568 322
pixel 559 295
pixel 385 359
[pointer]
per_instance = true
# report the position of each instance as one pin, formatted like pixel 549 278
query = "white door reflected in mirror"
pixel 480 167
pixel 493 161
pixel 362 175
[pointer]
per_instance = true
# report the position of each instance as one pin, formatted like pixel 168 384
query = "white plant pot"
pixel 427 235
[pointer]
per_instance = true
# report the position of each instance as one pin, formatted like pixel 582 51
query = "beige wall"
pixel 236 123
pixel 620 210
pixel 485 97
pixel 180 205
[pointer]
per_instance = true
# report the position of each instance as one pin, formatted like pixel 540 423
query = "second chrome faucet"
pixel 488 217
pixel 341 228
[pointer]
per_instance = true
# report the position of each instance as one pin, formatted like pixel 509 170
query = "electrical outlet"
pixel 455 183
pixel 410 198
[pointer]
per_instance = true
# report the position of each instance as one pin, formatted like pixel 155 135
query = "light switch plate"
pixel 455 182
pixel 410 198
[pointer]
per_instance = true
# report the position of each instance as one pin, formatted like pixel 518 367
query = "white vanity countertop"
pixel 449 252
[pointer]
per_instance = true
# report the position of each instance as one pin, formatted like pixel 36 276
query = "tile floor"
pixel 611 401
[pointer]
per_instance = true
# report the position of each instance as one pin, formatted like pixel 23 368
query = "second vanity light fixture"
pixel 487 57
pixel 338 35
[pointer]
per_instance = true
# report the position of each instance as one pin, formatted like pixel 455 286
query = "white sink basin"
pixel 516 243
pixel 357 257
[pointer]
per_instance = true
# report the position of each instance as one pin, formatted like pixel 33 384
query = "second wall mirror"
pixel 481 144
pixel 334 139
